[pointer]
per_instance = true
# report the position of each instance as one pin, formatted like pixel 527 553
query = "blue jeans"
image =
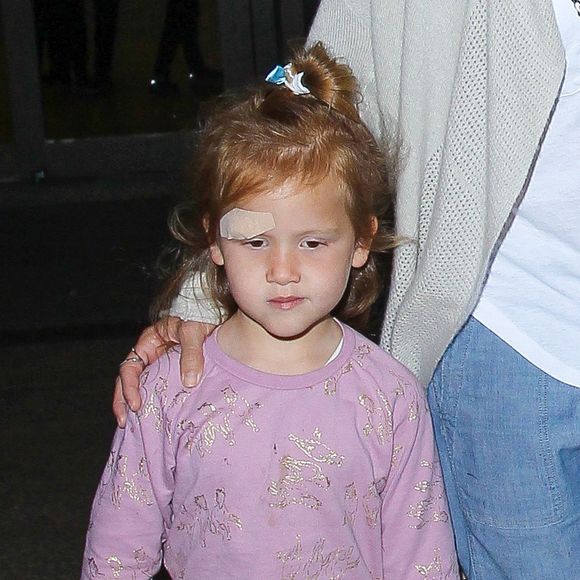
pixel 509 441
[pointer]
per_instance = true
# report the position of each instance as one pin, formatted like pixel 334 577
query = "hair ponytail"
pixel 328 80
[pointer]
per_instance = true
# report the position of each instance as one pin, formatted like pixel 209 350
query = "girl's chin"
pixel 295 332
pixel 283 330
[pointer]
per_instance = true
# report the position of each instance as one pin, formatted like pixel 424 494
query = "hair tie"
pixel 285 76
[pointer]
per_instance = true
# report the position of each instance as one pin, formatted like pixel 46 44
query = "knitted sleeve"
pixel 344 26
pixel 193 303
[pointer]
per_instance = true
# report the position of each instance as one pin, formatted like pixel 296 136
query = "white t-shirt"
pixel 532 296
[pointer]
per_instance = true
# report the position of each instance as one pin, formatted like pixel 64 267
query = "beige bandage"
pixel 241 224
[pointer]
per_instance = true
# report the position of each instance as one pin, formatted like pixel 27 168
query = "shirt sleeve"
pixel 416 527
pixel 133 498
pixel 194 302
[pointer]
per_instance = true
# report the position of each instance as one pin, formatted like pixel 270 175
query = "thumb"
pixel 191 336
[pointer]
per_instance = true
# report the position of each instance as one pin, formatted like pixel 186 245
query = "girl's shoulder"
pixel 161 385
pixel 382 367
pixel 164 369
pixel 385 387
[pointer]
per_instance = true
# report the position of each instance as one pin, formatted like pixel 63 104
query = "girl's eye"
pixel 255 243
pixel 312 244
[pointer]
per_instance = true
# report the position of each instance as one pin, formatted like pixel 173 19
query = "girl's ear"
pixel 363 247
pixel 216 254
pixel 215 251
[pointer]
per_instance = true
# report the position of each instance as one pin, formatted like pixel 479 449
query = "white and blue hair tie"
pixel 285 76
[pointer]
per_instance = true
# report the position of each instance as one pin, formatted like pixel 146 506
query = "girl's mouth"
pixel 285 302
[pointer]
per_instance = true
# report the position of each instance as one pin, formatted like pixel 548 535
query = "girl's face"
pixel 288 279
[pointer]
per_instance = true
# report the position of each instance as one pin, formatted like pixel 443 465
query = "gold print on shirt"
pixel 93 569
pixel 297 475
pixel 379 416
pixel 414 408
pixel 360 353
pixel 108 480
pixel 116 480
pixel 315 449
pixel 197 520
pixel 146 563
pixel 430 509
pixel 221 519
pixel 372 502
pixel 136 487
pixel 331 384
pixel 350 505
pixel 401 384
pixel 396 455
pixel 150 408
pixel 160 388
pixel 434 570
pixel 116 566
pixel 319 565
pixel 197 516
pixel 218 420
pixel 167 424
pixel 429 570
pixel 188 427
pixel 180 398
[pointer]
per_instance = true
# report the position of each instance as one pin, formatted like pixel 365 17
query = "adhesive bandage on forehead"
pixel 242 224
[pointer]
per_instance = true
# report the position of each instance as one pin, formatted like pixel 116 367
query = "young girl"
pixel 306 452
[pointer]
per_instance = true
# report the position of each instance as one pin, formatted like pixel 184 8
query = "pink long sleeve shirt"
pixel 330 474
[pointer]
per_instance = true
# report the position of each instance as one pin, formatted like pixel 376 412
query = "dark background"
pixel 86 184
pixel 76 284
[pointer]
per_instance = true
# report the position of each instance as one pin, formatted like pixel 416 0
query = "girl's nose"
pixel 283 268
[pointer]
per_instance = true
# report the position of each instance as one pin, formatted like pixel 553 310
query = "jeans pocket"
pixel 500 453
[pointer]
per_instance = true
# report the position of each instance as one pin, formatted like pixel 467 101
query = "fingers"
pixel 129 373
pixel 147 349
pixel 119 405
pixel 152 342
pixel 191 336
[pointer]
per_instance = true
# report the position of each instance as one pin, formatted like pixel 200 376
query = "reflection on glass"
pixel 116 68
pixel 5 118
pixel 180 30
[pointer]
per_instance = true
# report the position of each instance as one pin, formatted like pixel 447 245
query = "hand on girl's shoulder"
pixel 160 381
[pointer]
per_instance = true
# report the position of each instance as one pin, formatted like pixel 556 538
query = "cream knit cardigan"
pixel 469 86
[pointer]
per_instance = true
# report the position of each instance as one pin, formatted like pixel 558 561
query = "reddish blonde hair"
pixel 252 144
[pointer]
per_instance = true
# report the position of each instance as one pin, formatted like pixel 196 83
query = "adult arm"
pixel 192 316
pixel 344 26
pixel 153 342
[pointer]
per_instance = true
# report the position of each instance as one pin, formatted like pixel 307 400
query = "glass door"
pixel 90 87
pixel 117 68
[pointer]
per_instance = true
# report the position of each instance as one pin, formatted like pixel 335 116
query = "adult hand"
pixel 153 342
